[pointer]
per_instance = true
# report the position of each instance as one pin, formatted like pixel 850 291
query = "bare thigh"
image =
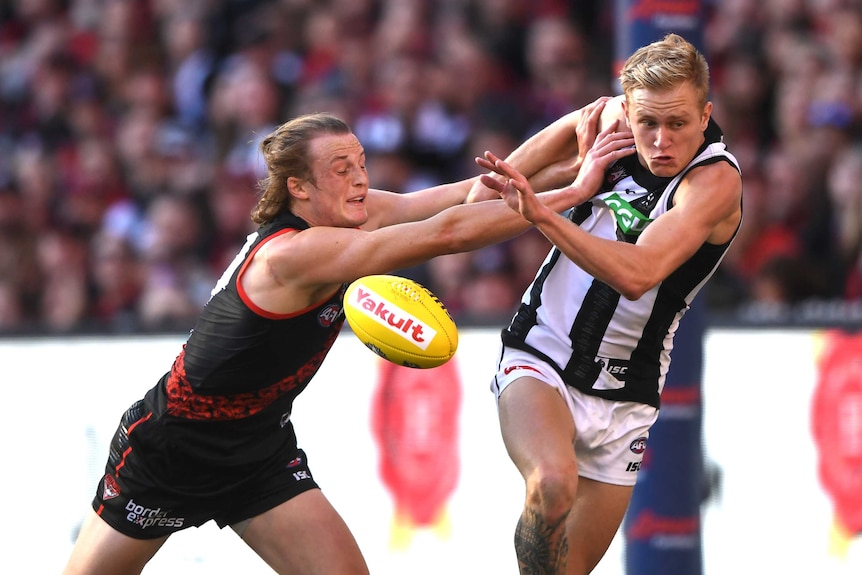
pixel 305 535
pixel 102 550
pixel 537 427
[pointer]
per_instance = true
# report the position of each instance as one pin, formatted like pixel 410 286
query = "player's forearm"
pixel 415 206
pixel 617 264
pixel 555 144
pixel 555 176
pixel 480 224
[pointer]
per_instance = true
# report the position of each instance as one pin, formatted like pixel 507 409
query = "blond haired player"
pixel 584 359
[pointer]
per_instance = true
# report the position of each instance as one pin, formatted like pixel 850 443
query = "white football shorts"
pixel 610 436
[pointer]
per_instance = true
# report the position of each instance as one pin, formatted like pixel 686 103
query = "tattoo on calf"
pixel 542 549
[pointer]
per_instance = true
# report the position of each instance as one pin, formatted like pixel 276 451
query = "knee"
pixel 551 491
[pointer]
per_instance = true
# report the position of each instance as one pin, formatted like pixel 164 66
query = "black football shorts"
pixel 150 488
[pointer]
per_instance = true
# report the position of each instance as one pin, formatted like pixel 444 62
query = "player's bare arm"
pixel 298 269
pixel 610 145
pixel 563 141
pixel 387 208
pixel 707 208
pixel 552 158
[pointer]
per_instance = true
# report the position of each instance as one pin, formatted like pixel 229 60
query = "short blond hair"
pixel 665 64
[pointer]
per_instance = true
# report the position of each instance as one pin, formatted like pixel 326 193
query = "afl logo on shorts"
pixel 294 462
pixel 638 445
pixel 328 315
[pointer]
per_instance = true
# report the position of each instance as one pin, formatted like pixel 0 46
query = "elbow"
pixel 634 275
pixel 631 294
pixel 633 288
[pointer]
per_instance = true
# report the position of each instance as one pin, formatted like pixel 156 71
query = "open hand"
pixel 513 187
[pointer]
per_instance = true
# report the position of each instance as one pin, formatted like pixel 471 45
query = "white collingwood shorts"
pixel 610 436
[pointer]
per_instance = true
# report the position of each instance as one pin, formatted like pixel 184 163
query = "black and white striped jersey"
pixel 602 343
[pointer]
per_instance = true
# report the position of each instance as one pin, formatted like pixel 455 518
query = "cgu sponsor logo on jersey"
pixel 145 517
pixel 392 317
pixel 629 219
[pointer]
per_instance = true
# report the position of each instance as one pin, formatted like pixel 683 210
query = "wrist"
pixel 578 193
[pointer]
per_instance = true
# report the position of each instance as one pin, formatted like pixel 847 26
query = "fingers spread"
pixel 491 182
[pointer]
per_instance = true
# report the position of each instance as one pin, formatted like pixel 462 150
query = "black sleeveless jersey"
pixel 601 343
pixel 232 387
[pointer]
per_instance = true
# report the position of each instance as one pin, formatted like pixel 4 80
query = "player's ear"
pixel 704 119
pixel 296 188
pixel 626 114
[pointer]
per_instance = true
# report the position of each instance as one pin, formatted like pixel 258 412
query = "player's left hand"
pixel 514 188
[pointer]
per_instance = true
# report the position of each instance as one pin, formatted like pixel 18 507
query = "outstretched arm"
pixel 296 269
pixel 553 157
pixel 550 159
pixel 388 208
pixel 610 145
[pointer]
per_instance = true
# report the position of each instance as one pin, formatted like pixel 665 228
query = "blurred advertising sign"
pixel 641 22
pixel 836 418
pixel 414 419
pixel 662 525
pixel 783 429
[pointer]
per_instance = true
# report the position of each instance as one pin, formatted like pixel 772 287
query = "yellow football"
pixel 401 321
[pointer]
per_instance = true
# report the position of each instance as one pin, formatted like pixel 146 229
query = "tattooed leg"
pixel 541 548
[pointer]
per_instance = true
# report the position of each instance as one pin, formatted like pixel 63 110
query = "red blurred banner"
pixel 415 416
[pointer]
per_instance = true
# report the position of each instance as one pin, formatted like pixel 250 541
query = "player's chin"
pixel 663 168
pixel 357 214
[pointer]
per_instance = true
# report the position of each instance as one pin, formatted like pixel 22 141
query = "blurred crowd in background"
pixel 129 133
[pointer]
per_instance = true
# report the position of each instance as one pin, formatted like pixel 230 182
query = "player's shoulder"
pixel 717 183
pixel 713 158
pixel 718 172
pixel 613 111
